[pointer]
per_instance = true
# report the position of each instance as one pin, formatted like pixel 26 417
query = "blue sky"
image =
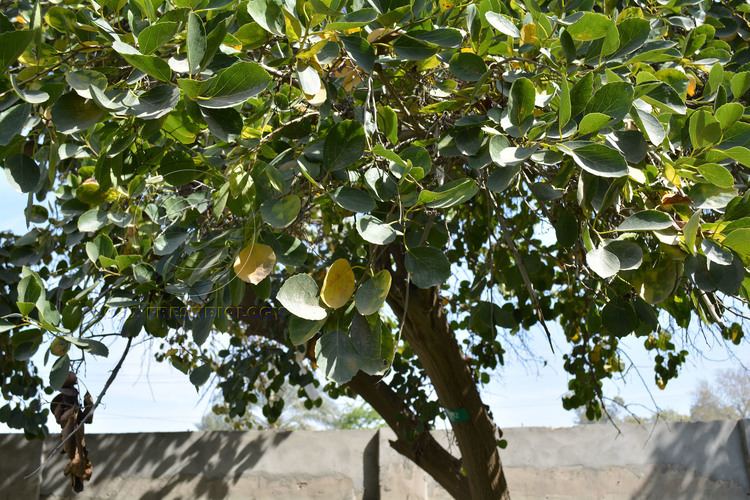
pixel 151 396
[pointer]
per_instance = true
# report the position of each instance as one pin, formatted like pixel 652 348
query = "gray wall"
pixel 687 460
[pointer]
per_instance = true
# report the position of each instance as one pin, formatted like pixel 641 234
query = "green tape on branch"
pixel 458 415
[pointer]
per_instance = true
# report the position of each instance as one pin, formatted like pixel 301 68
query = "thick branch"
pixel 419 447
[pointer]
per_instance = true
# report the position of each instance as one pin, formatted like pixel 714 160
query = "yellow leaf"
pixel 338 285
pixel 692 83
pixel 528 34
pixel 254 263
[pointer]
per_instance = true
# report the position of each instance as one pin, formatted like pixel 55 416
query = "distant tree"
pixel 728 398
pixel 297 414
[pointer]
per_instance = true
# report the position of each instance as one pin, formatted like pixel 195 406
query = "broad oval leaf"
pixel 375 231
pixel 299 295
pixel 450 194
pixel 646 220
pixel 371 294
pixel 344 145
pixel 282 212
pixel 254 263
pixel 597 159
pixel 503 24
pixel 427 266
pixel 338 285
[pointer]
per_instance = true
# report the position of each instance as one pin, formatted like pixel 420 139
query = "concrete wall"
pixel 679 461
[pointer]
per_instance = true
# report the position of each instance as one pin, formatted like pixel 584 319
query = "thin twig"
pixel 90 414
pixel 521 267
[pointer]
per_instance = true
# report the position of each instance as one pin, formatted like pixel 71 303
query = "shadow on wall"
pixel 163 465
pixel 18 457
pixel 697 461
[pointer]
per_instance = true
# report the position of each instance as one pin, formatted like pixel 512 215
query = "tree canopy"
pixel 392 191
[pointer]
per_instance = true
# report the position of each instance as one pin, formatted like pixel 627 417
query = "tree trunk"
pixel 426 329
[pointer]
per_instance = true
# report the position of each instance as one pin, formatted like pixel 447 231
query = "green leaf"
pixel 729 113
pixel 12 121
pixel 739 154
pixel 603 262
pixel 705 130
pixel 690 231
pixel 388 123
pixel 716 175
pixel 23 173
pixel 30 96
pixel 82 80
pixel 467 66
pixel 354 200
pixel 739 241
pixel 590 26
pixel 224 123
pixel 344 145
pixel 302 330
pixel 449 194
pixel 646 220
pixel 281 212
pixel 168 242
pixel 268 14
pixel 12 45
pixel 309 80
pixel 230 87
pixel 501 178
pixel 352 20
pixel 59 372
pixel 152 37
pixel 361 51
pixel 564 107
pixel 337 357
pixel 196 42
pixel 503 24
pixel 592 123
pixel 613 99
pixel 92 220
pixel 447 38
pixel 633 34
pixel 521 100
pixel 373 343
pixel 740 83
pixel 156 102
pixel 201 324
pixel 618 317
pixel 200 375
pixel 597 159
pixel 299 295
pixel 375 231
pixel 408 48
pixel 427 266
pixel 151 65
pixel 371 294
pixel 629 254
pixel 71 113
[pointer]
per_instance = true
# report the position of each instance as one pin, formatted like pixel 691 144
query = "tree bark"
pixel 426 329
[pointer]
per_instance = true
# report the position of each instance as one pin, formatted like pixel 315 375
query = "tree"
pixel 728 398
pixel 372 188
pixel 327 415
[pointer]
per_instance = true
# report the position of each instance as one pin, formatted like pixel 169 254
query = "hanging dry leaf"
pixel 68 413
pixel 254 263
pixel 338 285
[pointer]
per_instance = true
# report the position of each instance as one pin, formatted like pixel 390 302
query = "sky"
pixel 148 396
